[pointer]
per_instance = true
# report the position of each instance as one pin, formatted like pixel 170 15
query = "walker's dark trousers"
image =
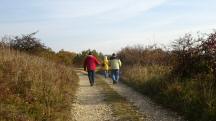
pixel 91 76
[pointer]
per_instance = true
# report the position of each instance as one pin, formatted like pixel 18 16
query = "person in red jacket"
pixel 90 65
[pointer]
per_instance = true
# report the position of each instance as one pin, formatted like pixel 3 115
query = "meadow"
pixel 182 79
pixel 34 88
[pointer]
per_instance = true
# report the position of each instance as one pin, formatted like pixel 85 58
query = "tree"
pixel 27 43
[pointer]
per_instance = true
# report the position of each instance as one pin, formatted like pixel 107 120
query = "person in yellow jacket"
pixel 105 67
pixel 115 66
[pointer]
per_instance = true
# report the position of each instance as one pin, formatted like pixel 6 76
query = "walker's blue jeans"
pixel 91 76
pixel 106 74
pixel 115 75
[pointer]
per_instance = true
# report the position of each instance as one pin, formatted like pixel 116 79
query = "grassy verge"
pixel 121 108
pixel 34 89
pixel 195 98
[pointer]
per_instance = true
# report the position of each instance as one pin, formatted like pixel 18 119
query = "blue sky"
pixel 106 25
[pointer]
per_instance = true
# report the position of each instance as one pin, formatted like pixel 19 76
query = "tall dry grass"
pixel 195 98
pixel 183 78
pixel 34 89
pixel 146 79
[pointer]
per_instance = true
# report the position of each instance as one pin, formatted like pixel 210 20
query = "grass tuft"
pixel 121 108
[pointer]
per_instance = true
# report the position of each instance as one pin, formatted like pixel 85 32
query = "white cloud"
pixel 131 9
pixel 102 9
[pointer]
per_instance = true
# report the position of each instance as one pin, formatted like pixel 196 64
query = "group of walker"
pixel 113 65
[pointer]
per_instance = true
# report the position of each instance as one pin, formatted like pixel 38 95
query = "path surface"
pixel 91 103
pixel 152 111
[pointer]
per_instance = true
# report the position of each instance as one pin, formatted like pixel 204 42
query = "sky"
pixel 106 25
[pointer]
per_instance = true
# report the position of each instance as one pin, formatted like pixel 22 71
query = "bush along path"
pixel 107 102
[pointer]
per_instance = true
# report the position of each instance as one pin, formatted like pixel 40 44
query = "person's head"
pixel 113 55
pixel 105 57
pixel 90 53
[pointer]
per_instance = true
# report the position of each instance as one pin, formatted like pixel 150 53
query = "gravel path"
pixel 89 104
pixel 152 111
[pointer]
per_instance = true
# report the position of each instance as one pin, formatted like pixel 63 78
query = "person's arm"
pixel 97 62
pixel 109 63
pixel 85 64
pixel 120 63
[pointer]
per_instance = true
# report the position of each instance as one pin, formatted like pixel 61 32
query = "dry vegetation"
pixel 182 79
pixel 34 88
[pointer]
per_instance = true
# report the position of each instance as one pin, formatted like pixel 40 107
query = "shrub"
pixel 208 49
pixel 188 59
pixel 139 55
pixel 194 55
pixel 183 79
pixel 32 45
pixel 66 57
pixel 27 43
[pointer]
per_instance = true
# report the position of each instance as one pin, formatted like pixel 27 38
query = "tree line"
pixel 28 43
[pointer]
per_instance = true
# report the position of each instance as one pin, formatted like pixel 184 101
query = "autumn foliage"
pixel 182 78
pixel 35 83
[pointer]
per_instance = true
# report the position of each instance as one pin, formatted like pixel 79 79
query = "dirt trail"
pixel 89 105
pixel 107 102
pixel 152 111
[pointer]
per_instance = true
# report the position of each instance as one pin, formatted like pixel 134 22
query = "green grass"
pixel 34 89
pixel 121 108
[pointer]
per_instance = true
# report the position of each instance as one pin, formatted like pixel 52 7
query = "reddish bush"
pixel 139 55
pixel 208 49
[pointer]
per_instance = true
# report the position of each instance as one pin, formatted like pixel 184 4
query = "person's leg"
pixel 113 75
pixel 106 74
pixel 109 73
pixel 93 77
pixel 90 76
pixel 117 76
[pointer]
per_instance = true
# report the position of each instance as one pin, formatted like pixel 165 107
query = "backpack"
pixel 103 64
